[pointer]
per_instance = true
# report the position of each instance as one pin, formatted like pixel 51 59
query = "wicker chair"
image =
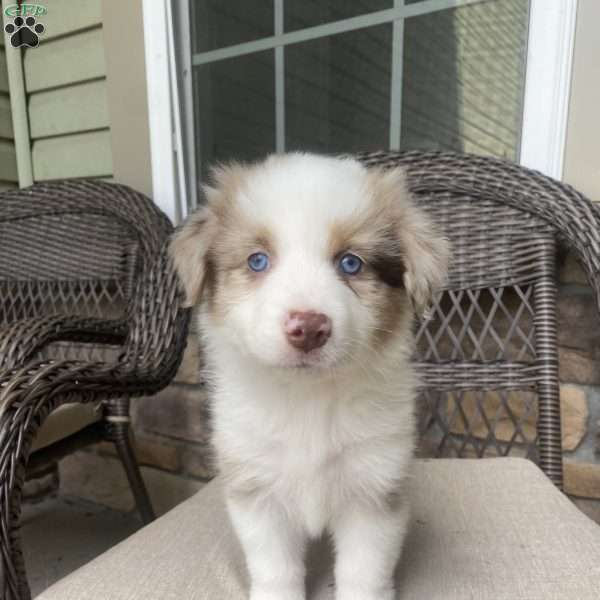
pixel 491 338
pixel 488 529
pixel 89 317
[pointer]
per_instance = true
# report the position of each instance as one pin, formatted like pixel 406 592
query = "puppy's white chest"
pixel 308 472
pixel 346 460
pixel 313 453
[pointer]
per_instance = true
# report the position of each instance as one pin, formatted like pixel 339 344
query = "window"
pixel 334 76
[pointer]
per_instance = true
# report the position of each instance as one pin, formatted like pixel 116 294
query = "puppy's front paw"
pixel 284 593
pixel 355 593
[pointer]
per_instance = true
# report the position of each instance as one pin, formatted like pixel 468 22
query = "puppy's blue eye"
pixel 350 264
pixel 258 261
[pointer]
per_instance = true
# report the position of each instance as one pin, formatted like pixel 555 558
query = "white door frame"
pixel 545 113
pixel 548 85
pixel 168 187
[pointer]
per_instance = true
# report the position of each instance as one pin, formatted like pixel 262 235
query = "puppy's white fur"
pixel 317 441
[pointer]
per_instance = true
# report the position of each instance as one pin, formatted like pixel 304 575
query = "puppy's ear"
pixel 424 250
pixel 191 244
pixel 189 249
pixel 427 254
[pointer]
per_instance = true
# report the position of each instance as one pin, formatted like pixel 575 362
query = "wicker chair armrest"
pixel 41 386
pixel 20 341
pixel 158 324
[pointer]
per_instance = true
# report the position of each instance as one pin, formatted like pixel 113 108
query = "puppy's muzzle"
pixel 308 330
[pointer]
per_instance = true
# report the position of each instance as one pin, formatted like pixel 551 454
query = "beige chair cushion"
pixel 481 529
pixel 64 421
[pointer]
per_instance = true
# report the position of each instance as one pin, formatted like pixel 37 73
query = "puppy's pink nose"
pixel 307 330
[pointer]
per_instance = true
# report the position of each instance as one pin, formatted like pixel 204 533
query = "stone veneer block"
pixel 157 454
pixel 578 320
pixel 582 479
pixel 574 416
pixel 179 411
pixel 150 452
pixel 575 366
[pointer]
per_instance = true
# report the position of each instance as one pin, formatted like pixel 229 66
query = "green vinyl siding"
pixel 65 61
pixel 80 155
pixel 67 16
pixel 70 109
pixel 3 73
pixel 8 161
pixel 6 130
pixel 65 79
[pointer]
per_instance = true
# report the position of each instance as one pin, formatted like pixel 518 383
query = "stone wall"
pixel 172 428
pixel 579 370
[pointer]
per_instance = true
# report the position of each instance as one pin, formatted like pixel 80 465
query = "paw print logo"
pixel 24 32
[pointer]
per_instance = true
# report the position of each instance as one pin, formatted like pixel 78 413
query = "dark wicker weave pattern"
pixel 502 221
pixel 96 253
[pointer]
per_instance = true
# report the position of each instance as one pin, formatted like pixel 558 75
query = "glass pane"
pixel 463 80
pixel 219 23
pixel 299 14
pixel 234 109
pixel 337 91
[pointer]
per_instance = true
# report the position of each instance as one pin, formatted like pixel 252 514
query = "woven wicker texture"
pixel 80 262
pixel 491 340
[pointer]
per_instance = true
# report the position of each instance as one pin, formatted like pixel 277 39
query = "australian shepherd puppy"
pixel 307 271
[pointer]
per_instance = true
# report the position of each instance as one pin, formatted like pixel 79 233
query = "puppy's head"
pixel 308 261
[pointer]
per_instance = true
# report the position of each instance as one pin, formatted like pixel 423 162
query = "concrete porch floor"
pixel 92 512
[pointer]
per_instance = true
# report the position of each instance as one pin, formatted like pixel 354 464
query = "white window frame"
pixel 168 187
pixel 546 99
pixel 548 85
